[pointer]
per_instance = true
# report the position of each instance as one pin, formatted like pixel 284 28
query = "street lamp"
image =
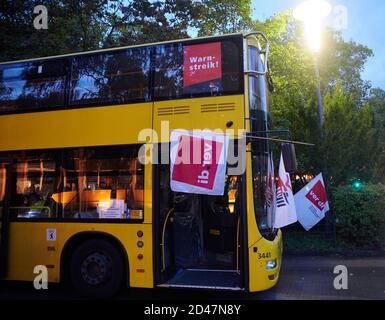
pixel 312 13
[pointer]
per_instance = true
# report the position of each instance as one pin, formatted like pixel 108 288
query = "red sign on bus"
pixel 202 171
pixel 198 162
pixel 202 66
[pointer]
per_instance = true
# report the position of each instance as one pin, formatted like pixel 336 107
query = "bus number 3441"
pixel 264 255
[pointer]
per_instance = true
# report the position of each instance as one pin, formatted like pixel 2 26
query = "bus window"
pixel 257 85
pixel 102 183
pixel 261 153
pixel 32 85
pixel 260 183
pixel 232 67
pixel 203 69
pixel 168 71
pixel 35 181
pixel 3 179
pixel 113 77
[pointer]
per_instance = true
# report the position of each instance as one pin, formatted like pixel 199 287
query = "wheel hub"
pixel 96 269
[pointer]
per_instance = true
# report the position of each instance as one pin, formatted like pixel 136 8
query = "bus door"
pixel 4 221
pixel 198 236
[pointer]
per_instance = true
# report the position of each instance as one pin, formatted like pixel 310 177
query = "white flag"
pixel 312 203
pixel 285 213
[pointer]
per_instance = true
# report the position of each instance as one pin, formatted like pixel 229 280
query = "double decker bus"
pixel 75 197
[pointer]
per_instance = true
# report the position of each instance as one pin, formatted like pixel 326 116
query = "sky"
pixel 365 25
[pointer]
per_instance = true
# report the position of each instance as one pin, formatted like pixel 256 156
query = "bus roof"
pixel 120 48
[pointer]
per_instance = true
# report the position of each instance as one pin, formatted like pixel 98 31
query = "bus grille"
pixel 168 111
pixel 221 107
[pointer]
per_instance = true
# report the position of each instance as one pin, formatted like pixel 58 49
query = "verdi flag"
pixel 312 203
pixel 285 213
pixel 198 162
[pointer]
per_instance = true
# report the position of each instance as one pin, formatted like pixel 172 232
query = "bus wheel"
pixel 96 269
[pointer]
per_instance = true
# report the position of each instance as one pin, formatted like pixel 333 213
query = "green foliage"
pixel 306 242
pixel 147 21
pixel 223 16
pixel 72 26
pixel 349 143
pixel 91 24
pixel 344 61
pixel 360 215
pixel 376 102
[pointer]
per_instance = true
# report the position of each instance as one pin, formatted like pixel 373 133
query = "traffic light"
pixel 357 184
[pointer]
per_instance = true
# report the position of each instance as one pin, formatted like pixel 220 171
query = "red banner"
pixel 202 63
pixel 199 173
pixel 198 162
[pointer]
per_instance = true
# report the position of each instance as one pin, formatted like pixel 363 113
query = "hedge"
pixel 360 215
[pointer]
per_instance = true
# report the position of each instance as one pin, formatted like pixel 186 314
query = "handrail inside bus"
pixel 33 207
pixel 162 244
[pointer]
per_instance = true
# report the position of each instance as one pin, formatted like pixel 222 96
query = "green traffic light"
pixel 357 185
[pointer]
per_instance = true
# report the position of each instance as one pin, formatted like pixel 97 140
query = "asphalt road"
pixel 302 278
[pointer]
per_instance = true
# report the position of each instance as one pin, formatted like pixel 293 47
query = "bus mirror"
pixel 289 157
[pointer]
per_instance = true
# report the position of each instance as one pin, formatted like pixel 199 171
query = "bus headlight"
pixel 271 264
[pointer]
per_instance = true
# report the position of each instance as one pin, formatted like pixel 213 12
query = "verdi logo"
pixel 197 161
pixel 317 196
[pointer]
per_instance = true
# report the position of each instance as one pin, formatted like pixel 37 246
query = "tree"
pixel 345 61
pixel 91 24
pixel 293 102
pixel 348 122
pixel 376 101
pixel 147 21
pixel 223 16
pixel 72 26
pixel 349 143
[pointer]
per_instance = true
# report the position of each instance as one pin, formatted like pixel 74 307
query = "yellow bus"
pixel 76 198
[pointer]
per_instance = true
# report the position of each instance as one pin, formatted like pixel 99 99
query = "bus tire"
pixel 96 269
